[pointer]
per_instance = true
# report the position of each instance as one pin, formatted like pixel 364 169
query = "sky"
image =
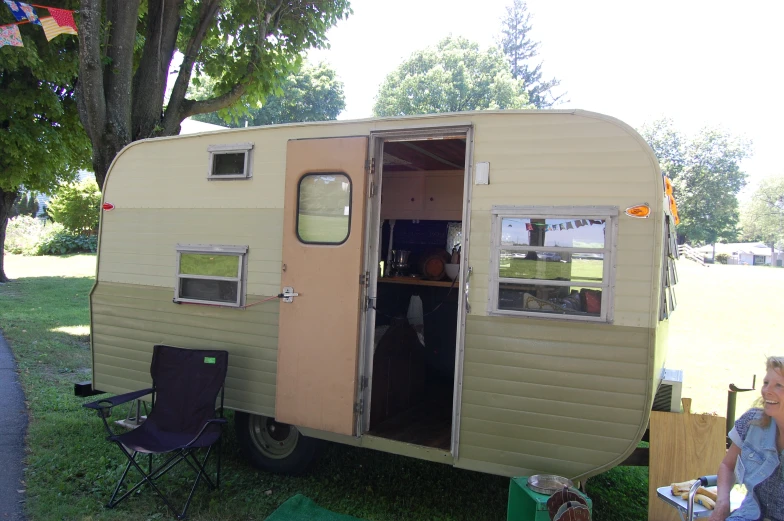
pixel 700 63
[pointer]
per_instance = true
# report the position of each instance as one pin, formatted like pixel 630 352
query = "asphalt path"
pixel 13 426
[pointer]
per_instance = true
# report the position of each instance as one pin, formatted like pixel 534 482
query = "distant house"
pixel 188 126
pixel 745 253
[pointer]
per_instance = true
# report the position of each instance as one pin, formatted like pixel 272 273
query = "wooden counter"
pixel 413 281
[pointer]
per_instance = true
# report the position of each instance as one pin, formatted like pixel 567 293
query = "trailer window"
pixel 669 273
pixel 209 274
pixel 324 208
pixel 552 261
pixel 232 161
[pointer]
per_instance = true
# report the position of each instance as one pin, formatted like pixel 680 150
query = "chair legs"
pixel 149 477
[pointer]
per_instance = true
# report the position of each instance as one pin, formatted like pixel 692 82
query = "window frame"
pixel 350 208
pixel 231 148
pixel 241 252
pixel 608 213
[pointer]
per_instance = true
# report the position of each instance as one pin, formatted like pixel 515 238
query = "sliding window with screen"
pixel 210 274
pixel 553 261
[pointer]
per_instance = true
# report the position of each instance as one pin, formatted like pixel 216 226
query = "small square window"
pixel 232 161
pixel 210 274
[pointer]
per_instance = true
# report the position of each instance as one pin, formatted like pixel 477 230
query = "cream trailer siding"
pixel 534 394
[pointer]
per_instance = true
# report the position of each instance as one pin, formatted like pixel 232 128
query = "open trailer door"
pixel 323 239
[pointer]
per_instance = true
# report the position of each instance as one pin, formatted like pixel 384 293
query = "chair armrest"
pixel 218 421
pixel 112 401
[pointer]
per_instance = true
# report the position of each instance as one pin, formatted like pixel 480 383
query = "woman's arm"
pixel 726 480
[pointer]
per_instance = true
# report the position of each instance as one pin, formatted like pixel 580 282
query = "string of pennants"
pixel 60 21
pixel 569 225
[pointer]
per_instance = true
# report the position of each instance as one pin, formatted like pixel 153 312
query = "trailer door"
pixel 323 236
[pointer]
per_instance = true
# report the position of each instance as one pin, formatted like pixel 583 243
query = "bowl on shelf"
pixel 452 270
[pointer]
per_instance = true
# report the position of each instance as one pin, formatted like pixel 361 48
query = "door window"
pixel 324 208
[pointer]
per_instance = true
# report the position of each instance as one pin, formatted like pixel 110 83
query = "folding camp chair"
pixel 185 387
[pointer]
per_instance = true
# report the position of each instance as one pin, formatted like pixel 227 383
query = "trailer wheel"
pixel 275 447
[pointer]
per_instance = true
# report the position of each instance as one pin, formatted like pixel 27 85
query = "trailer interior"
pixel 416 304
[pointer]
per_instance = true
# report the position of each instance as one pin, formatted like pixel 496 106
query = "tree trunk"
pixel 7 200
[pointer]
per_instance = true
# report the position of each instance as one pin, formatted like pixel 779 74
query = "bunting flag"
pixel 22 12
pixel 52 28
pixel 529 227
pixel 560 226
pixel 63 17
pixel 569 225
pixel 9 35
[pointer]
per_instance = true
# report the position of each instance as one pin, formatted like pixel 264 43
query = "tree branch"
pixel 179 108
pixel 172 119
pixel 149 81
pixel 92 100
pixel 125 16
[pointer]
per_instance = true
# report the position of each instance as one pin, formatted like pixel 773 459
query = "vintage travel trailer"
pixel 322 257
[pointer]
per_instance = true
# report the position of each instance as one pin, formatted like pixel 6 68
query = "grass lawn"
pixel 726 323
pixel 720 333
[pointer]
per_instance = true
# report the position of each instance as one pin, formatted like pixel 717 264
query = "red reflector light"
pixel 107 206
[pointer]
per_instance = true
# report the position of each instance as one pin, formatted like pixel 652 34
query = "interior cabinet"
pixel 434 195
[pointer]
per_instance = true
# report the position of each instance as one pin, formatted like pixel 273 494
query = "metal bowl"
pixel 548 483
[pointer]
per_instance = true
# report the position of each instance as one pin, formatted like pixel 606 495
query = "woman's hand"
pixel 721 511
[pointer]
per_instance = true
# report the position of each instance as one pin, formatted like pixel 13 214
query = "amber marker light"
pixel 641 210
pixel 107 206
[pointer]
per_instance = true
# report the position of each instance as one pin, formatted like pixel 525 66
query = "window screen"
pixel 210 274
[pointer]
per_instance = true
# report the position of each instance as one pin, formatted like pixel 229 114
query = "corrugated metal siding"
pixel 127 320
pixel 138 245
pixel 571 160
pixel 542 396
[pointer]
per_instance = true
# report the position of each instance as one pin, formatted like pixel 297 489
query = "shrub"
pixel 77 207
pixel 28 236
pixel 722 258
pixel 59 241
pixel 23 235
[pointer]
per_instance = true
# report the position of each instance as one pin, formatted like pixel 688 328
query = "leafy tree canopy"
pixel 313 93
pixel 453 76
pixel 706 178
pixel 520 50
pixel 762 217
pixel 247 47
pixel 41 138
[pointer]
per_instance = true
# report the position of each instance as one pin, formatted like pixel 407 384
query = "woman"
pixel 756 456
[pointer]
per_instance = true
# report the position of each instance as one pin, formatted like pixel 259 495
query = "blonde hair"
pixel 775 363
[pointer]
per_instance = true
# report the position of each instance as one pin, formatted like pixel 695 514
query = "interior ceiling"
pixel 431 154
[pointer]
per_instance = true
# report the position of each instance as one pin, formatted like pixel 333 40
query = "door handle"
pixel 468 276
pixel 288 294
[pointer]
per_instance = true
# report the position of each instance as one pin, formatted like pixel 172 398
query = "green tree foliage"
pixel 706 178
pixel 126 49
pixel 77 207
pixel 26 204
pixel 41 139
pixel 310 94
pixel 453 76
pixel 762 217
pixel 520 50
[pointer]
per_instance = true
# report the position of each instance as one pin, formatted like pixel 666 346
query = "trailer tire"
pixel 275 447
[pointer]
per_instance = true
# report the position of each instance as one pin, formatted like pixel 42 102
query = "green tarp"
pixel 300 508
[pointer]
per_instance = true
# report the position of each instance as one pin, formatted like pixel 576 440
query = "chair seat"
pixel 148 439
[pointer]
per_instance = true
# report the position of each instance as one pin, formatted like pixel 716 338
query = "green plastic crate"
pixel 526 505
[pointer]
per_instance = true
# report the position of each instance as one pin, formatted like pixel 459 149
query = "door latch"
pixel 288 294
